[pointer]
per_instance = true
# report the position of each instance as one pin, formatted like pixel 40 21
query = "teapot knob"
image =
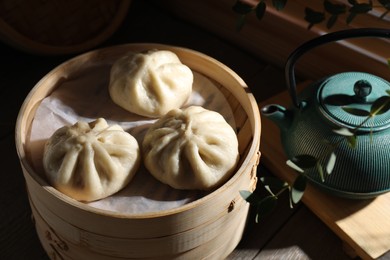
pixel 362 89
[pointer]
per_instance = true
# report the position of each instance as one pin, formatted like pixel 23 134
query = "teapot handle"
pixel 326 38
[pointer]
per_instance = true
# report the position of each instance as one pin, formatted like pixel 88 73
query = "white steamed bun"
pixel 150 83
pixel 191 148
pixel 91 161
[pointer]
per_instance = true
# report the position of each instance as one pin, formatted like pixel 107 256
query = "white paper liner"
pixel 85 98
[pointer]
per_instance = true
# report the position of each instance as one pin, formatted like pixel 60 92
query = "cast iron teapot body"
pixel 307 127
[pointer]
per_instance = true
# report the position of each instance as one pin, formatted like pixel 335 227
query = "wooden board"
pixel 364 225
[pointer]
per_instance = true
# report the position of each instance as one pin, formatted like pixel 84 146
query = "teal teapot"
pixel 327 114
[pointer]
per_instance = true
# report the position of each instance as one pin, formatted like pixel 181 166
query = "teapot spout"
pixel 279 115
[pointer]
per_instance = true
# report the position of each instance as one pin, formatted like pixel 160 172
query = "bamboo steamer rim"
pixel 15 25
pixel 251 108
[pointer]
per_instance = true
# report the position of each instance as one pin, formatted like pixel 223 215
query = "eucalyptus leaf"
pixel 290 200
pixel 320 171
pixel 352 141
pixel 380 106
pixel 279 4
pixel 265 206
pixel 343 131
pixel 331 21
pixel 304 161
pixel 260 10
pixel 294 166
pixel 371 136
pixel 331 163
pixel 350 17
pixel 361 8
pixel 240 22
pixel 355 111
pixel 251 197
pixel 358 8
pixel 242 8
pixel 313 17
pixel 298 188
pixel 245 194
pixel 269 190
pixel 334 9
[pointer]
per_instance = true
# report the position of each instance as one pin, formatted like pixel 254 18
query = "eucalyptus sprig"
pixel 330 14
pixel 243 9
pixel 263 205
pixel 302 163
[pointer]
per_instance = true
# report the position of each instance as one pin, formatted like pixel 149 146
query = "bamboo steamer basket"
pixel 207 228
pixel 59 27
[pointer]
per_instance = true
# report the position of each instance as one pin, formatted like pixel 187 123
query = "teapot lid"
pixel 357 91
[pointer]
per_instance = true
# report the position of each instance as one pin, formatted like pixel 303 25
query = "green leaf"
pixel 352 141
pixel 331 21
pixel 269 190
pixel 388 90
pixel 371 136
pixel 245 194
pixel 350 17
pixel 260 10
pixel 361 8
pixel 304 161
pixel 240 22
pixel 242 8
pixel 358 8
pixel 279 4
pixel 292 165
pixel 313 17
pixel 380 106
pixel 320 171
pixel 334 9
pixel 343 131
pixel 291 203
pixel 252 198
pixel 265 207
pixel 331 163
pixel 356 111
pixel 298 188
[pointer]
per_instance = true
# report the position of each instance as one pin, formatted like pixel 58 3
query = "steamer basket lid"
pixel 59 27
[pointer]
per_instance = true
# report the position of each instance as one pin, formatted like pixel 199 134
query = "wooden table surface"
pixel 284 234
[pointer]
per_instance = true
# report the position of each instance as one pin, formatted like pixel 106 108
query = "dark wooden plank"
pixel 304 237
pixel 267 82
pixel 17 231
